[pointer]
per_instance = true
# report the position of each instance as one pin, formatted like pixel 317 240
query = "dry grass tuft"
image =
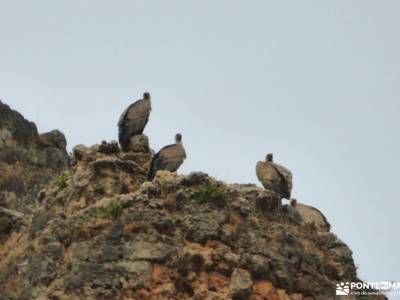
pixel 137 227
pixel 12 179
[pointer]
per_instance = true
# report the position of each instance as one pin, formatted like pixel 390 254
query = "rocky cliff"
pixel 28 161
pixel 26 156
pixel 94 228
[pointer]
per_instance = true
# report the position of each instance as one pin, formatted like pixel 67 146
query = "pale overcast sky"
pixel 314 82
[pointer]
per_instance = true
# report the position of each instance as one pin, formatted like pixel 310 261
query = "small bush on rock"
pixel 112 211
pixel 60 182
pixel 211 193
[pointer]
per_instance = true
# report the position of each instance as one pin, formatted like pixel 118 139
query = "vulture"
pixel 311 215
pixel 133 120
pixel 274 177
pixel 169 158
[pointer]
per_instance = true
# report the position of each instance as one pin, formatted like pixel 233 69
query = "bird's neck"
pixel 149 100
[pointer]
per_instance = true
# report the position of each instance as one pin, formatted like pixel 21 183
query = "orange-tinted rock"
pixel 264 290
pixel 217 281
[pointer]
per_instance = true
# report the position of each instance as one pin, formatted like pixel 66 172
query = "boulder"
pixel 240 285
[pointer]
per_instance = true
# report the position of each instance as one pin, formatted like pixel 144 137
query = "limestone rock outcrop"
pixel 28 162
pixel 100 230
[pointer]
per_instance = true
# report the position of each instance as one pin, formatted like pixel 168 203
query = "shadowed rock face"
pixel 28 161
pixel 15 130
pixel 101 231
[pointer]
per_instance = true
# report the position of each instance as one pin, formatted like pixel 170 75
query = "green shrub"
pixel 112 211
pixel 60 182
pixel 212 192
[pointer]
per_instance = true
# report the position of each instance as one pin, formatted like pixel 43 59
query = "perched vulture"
pixel 274 177
pixel 311 215
pixel 133 120
pixel 168 158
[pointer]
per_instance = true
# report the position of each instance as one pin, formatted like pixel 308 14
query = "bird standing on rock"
pixel 169 158
pixel 133 120
pixel 274 177
pixel 311 215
